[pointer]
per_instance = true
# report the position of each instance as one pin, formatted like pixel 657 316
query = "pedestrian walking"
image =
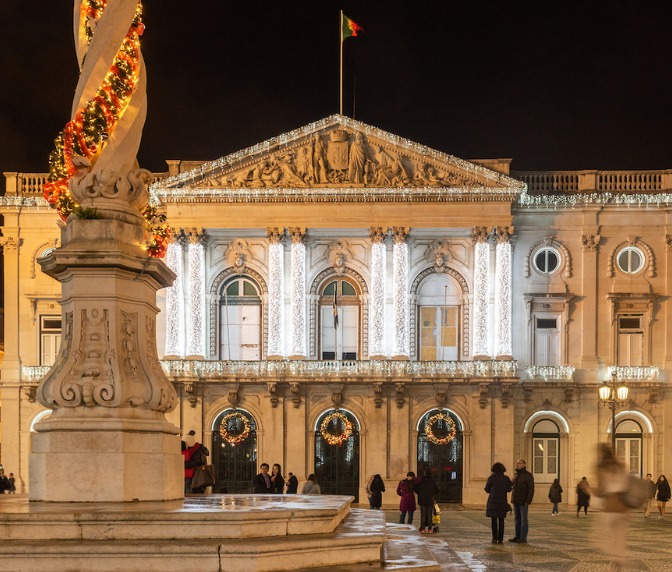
pixel 522 494
pixel 582 496
pixel 555 496
pixel 497 486
pixel 292 484
pixel 12 484
pixel 612 482
pixel 662 494
pixel 427 490
pixel 376 488
pixel 652 494
pixel 407 502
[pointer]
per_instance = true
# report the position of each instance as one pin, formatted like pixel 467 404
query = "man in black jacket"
pixel 427 490
pixel 262 482
pixel 521 498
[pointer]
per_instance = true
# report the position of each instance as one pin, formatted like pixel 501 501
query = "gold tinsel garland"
pixel 229 437
pixel 336 439
pixel 452 431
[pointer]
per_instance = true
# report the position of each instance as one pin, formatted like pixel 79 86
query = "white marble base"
pixel 105 466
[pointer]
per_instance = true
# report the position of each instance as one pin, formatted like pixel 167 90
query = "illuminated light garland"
pixel 95 120
pixel 227 426
pixel 438 418
pixel 175 303
pixel 336 438
pixel 377 294
pixel 481 280
pixel 276 275
pixel 503 299
pixel 298 299
pixel 196 297
pixel 400 299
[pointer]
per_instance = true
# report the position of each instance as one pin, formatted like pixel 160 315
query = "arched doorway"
pixel 545 451
pixel 337 453
pixel 440 447
pixel 234 454
pixel 629 445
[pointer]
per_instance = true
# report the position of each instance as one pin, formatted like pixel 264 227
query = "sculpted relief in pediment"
pixel 340 158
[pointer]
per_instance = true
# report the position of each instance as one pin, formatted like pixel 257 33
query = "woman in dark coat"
pixel 377 488
pixel 277 480
pixel 405 489
pixel 497 487
pixel 555 496
pixel 662 494
pixel 582 496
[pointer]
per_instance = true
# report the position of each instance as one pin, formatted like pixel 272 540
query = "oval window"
pixel 630 260
pixel 547 260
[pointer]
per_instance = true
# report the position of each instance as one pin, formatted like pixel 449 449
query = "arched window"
pixel 340 320
pixel 234 452
pixel 240 320
pixel 439 308
pixel 445 459
pixel 337 463
pixel 545 451
pixel 629 445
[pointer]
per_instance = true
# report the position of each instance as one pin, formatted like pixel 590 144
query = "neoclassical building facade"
pixel 348 302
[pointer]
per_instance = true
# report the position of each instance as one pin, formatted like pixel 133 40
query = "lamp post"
pixel 613 397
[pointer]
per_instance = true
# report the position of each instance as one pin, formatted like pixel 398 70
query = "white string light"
pixel 377 319
pixel 503 299
pixel 400 298
pixel 276 275
pixel 196 298
pixel 298 299
pixel 175 303
pixel 481 275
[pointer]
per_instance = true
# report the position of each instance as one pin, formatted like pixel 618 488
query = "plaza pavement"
pixel 561 543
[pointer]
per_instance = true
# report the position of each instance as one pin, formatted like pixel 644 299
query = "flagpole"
pixel 340 82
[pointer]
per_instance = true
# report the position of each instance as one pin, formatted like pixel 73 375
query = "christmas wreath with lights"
pixel 336 438
pixel 450 433
pixel 235 428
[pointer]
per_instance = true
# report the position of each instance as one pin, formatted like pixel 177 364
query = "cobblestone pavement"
pixel 562 543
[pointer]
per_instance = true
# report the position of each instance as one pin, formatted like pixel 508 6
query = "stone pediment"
pixel 339 153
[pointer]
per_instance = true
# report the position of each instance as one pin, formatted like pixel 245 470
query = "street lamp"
pixel 613 397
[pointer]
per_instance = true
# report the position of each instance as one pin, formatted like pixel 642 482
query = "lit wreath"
pixel 429 431
pixel 231 438
pixel 340 438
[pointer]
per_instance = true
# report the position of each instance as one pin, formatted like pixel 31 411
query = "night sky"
pixel 551 84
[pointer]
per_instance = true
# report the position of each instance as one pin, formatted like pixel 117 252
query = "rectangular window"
pixel 630 336
pixel 50 339
pixel 341 342
pixel 631 451
pixel 438 333
pixel 547 341
pixel 545 459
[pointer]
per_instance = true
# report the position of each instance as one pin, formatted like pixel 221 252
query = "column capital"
pixel 480 234
pixel 377 234
pixel 275 235
pixel 195 235
pixel 297 234
pixel 9 243
pixel 590 242
pixel 503 233
pixel 400 234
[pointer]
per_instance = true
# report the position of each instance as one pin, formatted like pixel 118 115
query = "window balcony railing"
pixel 315 370
pixel 550 372
pixel 634 373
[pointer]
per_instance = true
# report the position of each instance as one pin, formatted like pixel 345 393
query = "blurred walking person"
pixel 652 494
pixel 497 507
pixel 612 482
pixel 376 488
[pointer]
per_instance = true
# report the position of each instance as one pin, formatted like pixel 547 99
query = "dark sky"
pixel 551 84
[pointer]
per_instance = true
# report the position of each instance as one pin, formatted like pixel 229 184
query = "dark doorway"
pixel 444 459
pixel 234 453
pixel 337 465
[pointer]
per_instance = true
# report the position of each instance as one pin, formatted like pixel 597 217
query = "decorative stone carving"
pixel 527 394
pixel 503 234
pixel 294 390
pixel 399 389
pixel 506 396
pixel 649 262
pixel 273 393
pixel 483 395
pixel 438 253
pixel 30 391
pixel 336 395
pixel 275 235
pixel 400 234
pixel 238 254
pixel 378 395
pixel 297 234
pixel 377 234
pixel 480 234
pixel 590 242
pixel 233 396
pixel 10 243
pixel 569 394
pixel 190 391
pixel 339 254
pixel 441 398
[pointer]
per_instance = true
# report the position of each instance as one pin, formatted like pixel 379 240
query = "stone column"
pixel 298 294
pixel 590 245
pixel 378 349
pixel 480 236
pixel 276 295
pixel 400 348
pixel 503 349
pixel 175 320
pixel 196 294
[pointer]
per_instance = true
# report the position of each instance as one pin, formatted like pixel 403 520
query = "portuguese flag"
pixel 349 27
